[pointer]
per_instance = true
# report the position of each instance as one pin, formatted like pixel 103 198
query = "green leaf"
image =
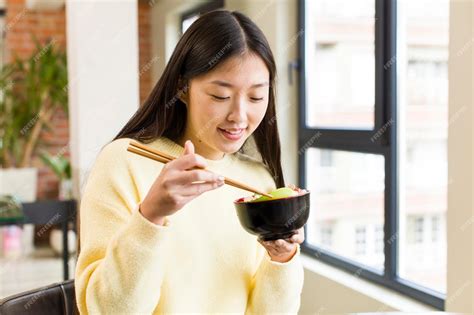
pixel 24 84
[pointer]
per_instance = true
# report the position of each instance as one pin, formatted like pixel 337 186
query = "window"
pixel 189 17
pixel 378 240
pixel 326 158
pixel 360 241
pixel 418 230
pixel 435 229
pixel 338 191
pixel 423 122
pixel 326 236
pixel 373 125
pixel 343 98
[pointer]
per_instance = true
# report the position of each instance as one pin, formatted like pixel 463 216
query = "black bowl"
pixel 273 219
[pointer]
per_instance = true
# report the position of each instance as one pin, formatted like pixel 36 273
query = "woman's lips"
pixel 232 134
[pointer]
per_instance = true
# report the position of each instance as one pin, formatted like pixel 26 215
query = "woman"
pixel 165 238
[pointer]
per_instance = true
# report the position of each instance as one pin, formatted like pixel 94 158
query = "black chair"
pixel 58 298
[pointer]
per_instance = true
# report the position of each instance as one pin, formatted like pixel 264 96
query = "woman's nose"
pixel 238 111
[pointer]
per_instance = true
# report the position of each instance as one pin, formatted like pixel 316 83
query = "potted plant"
pixel 62 168
pixel 31 91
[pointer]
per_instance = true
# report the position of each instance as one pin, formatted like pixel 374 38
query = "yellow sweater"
pixel 201 261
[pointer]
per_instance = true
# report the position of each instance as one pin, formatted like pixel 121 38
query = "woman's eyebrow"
pixel 227 84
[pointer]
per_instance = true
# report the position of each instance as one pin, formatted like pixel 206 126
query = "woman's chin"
pixel 229 147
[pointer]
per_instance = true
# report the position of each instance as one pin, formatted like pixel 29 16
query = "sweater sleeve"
pixel 121 264
pixel 276 287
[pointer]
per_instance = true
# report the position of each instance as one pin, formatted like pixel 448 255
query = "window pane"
pixel 347 204
pixel 340 63
pixel 423 103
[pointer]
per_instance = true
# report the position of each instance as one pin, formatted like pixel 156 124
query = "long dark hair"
pixel 211 39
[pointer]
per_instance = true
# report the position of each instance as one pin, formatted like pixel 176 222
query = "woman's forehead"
pixel 247 70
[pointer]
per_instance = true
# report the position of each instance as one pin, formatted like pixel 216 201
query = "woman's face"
pixel 226 105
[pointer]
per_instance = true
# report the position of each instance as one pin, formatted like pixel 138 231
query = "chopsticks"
pixel 151 153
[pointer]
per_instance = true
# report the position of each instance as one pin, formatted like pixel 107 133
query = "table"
pixel 50 212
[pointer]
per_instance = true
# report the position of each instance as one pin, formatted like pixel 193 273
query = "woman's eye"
pixel 220 98
pixel 223 98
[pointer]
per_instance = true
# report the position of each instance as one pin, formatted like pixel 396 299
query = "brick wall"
pixel 146 61
pixel 47 26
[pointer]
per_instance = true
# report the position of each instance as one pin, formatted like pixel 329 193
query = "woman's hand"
pixel 178 184
pixel 283 250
